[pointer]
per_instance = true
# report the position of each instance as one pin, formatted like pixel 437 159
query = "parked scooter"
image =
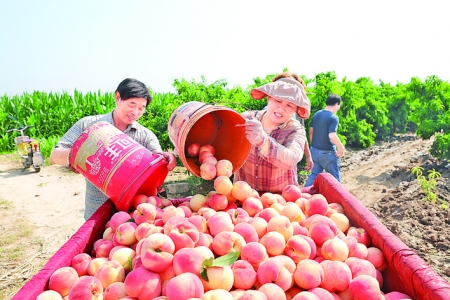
pixel 28 149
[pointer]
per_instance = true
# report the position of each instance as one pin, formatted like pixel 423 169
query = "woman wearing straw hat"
pixel 277 140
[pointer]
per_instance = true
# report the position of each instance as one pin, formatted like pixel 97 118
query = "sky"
pixel 92 45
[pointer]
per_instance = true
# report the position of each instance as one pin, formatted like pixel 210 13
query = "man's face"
pixel 130 110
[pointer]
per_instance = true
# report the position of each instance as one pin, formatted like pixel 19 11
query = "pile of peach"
pixel 228 244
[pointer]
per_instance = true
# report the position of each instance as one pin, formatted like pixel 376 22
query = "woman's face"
pixel 130 110
pixel 279 111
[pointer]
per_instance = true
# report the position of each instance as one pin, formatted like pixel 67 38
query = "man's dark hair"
pixel 133 88
pixel 333 99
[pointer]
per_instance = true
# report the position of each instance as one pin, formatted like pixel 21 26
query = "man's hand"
pixel 309 164
pixel 171 160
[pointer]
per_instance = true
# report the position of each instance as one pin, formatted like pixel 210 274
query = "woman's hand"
pixel 171 160
pixel 254 132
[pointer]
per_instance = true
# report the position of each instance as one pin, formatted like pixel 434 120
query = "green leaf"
pixel 204 274
pixel 226 260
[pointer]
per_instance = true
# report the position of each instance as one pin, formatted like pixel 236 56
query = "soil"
pixel 40 211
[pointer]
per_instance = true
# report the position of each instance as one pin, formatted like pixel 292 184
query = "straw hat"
pixel 286 89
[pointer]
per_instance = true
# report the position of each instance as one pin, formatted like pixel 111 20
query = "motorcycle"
pixel 28 149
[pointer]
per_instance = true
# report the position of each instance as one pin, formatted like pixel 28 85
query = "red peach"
pixel 260 225
pixel 272 270
pixel 360 266
pixel 217 294
pixel 224 168
pixel 87 288
pixel 62 280
pixel 144 212
pixel 155 200
pixel 210 160
pixel 125 234
pixel 293 212
pixel 219 221
pixel 138 199
pixel 203 155
pixel 361 235
pixel 394 296
pixel 335 249
pixel 272 291
pixel 336 275
pixel 218 278
pixel 218 202
pixel 49 295
pixel 268 213
pixel 208 171
pixel 297 248
pixel 244 274
pixel 323 294
pixel 118 218
pixel 80 263
pixel 365 287
pixel 142 284
pixel 204 239
pixel 255 253
pixel 376 257
pixel 267 199
pixel 309 274
pixel 197 201
pixel 238 215
pixel 252 206
pixel 322 229
pixel 247 231
pixel 192 149
pixel 110 272
pixel 241 190
pixel 95 264
pixel 187 260
pixel 123 255
pixel 115 291
pixel 223 184
pixel 183 235
pixel 227 241
pixel 317 204
pixel 157 252
pixel 274 243
pixel 207 147
pixel 282 225
pixel 291 193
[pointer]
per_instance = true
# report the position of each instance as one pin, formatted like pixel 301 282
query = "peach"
pixel 267 199
pixel 125 234
pixel 238 215
pixel 360 266
pixel 244 274
pixel 361 235
pixel 287 262
pixel 142 283
pixel 255 253
pixel 282 225
pixel 62 280
pixel 293 212
pixel 341 220
pixel 278 207
pixel 301 203
pixel 187 260
pixel 252 206
pixel 297 248
pixel 227 241
pixel 365 287
pixel 272 270
pixel 335 249
pixel 49 295
pixel 241 190
pixel 95 264
pixel 138 199
pixel 171 211
pixel 280 199
pixel 155 200
pixel 87 287
pixel 110 272
pixel 165 275
pixel 205 252
pixel 274 243
pixel 224 168
pixel 272 291
pixel 136 262
pixel 247 231
pixel 192 149
pixel 361 251
pixel 248 295
pixel 115 291
pixel 187 210
pixel 299 229
pixel 197 201
pixel 309 274
pixel 223 184
pixel 172 222
pixel 204 239
pixel 306 295
pixel 392 296
pixel 108 234
pixel 123 255
pixel 210 160
pixel 199 222
pixel 205 154
pixel 80 263
pixel 218 201
pixel 291 193
pixel 218 294
pixel 145 212
pixel 157 252
pixel 294 290
pixel 336 275
pixel 207 147
pixel 321 229
pixel 268 213
pixel 119 218
pixel 143 230
pixel 208 171
pixel 376 257
pixel 218 278
pixel 323 294
pixel 219 221
pixel 184 235
pixel 317 204
pixel 206 212
pixel 260 225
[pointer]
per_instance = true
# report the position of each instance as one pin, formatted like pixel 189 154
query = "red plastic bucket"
pixel 197 122
pixel 116 164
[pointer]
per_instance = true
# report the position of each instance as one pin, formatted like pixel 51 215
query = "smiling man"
pixel 132 98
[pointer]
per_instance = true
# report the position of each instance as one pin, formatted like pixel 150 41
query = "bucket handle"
pixel 150 165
